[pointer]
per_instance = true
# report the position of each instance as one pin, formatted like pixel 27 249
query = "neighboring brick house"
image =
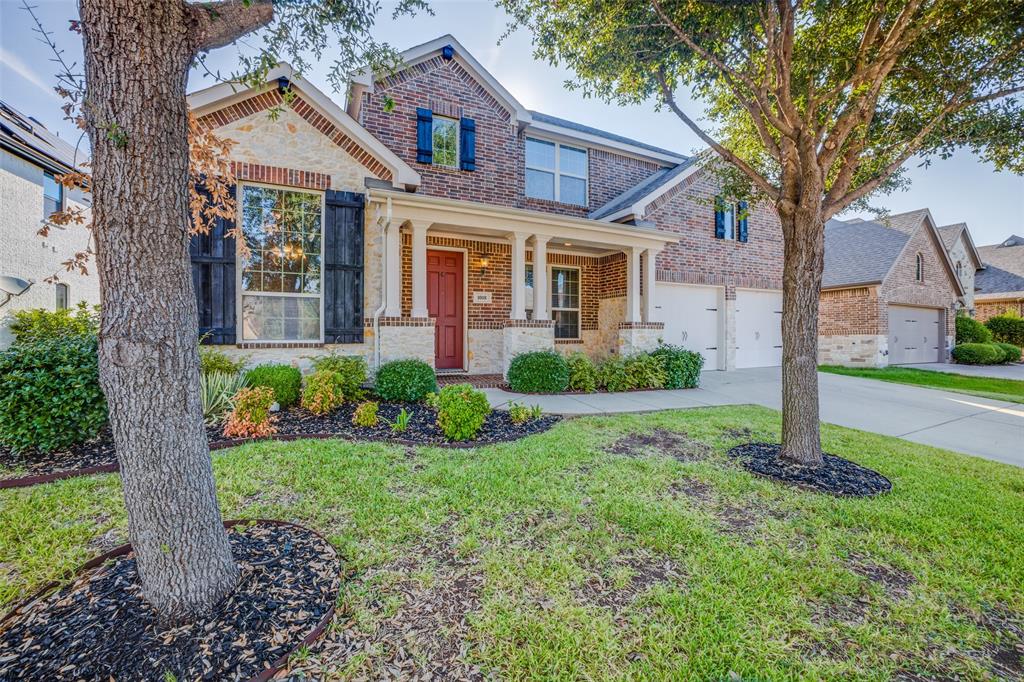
pixel 966 259
pixel 30 159
pixel 435 217
pixel 890 293
pixel 1001 285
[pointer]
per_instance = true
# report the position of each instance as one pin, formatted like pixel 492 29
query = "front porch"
pixel 469 286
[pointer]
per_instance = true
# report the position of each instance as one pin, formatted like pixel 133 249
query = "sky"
pixel 960 189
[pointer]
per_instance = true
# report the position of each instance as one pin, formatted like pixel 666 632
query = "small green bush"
pixel 518 413
pixel 405 380
pixel 1011 353
pixel 322 392
pixel 38 324
pixel 213 359
pixel 401 423
pixel 969 330
pixel 645 371
pixel 461 410
pixel 583 375
pixel 682 367
pixel 1007 328
pixel 50 396
pixel 366 414
pixel 612 376
pixel 977 354
pixel 217 391
pixel 285 380
pixel 351 371
pixel 538 372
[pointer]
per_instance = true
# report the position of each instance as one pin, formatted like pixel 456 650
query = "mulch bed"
pixel 835 476
pixel 97 456
pixel 100 628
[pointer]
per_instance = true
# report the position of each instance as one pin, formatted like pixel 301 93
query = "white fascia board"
pixel 552 130
pixel 639 207
pixel 365 77
pixel 219 95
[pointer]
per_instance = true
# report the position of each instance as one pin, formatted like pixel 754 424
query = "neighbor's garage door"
pixel 758 328
pixel 914 335
pixel 691 315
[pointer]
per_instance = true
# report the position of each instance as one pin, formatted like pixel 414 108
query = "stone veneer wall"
pixel 407 338
pixel 639 337
pixel 854 350
pixel 521 336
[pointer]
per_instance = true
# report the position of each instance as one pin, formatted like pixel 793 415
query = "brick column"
pixel 419 269
pixel 540 276
pixel 518 240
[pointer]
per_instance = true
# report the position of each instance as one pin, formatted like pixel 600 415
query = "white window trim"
pixel 458 135
pixel 579 298
pixel 239 267
pixel 558 171
pixel 733 227
pixel 62 202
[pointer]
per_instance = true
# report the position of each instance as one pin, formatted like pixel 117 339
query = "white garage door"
pixel 914 335
pixel 758 328
pixel 691 317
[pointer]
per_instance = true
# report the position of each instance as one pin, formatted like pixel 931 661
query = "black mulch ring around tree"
pixel 100 628
pixel 835 476
pixel 98 455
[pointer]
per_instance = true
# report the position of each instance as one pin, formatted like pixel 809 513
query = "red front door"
pixel 445 301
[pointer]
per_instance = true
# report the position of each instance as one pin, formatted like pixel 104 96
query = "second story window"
pixel 53 195
pixel 556 172
pixel 919 268
pixel 446 142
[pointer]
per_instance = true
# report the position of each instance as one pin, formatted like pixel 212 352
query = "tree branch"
pixel 216 24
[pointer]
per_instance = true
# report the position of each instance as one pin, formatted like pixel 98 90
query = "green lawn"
pixel 556 558
pixel 985 387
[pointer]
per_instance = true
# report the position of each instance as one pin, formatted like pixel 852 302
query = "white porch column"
pixel 540 277
pixel 633 284
pixel 393 266
pixel 650 260
pixel 419 269
pixel 518 240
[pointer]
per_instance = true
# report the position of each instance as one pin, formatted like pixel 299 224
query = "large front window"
pixel 556 172
pixel 565 302
pixel 280 277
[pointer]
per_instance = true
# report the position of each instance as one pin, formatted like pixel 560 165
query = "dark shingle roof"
pixel 994 280
pixel 646 186
pixel 949 234
pixel 904 222
pixel 19 131
pixel 1009 255
pixel 580 128
pixel 859 252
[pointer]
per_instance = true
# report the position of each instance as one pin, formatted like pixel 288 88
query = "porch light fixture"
pixel 484 263
pixel 568 243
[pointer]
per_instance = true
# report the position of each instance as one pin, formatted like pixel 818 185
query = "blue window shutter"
pixel 719 218
pixel 467 144
pixel 742 222
pixel 424 136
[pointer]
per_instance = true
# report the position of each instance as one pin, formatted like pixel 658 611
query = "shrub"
pixel 1007 328
pixel 582 373
pixel 405 380
pixel 538 372
pixel 39 324
pixel 366 414
pixel 612 375
pixel 251 416
pixel 322 392
pixel 518 413
pixel 682 367
pixel 217 391
pixel 977 354
pixel 969 330
pixel 50 396
pixel 461 410
pixel 1011 353
pixel 285 380
pixel 645 370
pixel 213 359
pixel 350 370
pixel 401 423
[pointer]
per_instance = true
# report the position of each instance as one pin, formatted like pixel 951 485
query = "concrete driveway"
pixel 955 421
pixel 997 371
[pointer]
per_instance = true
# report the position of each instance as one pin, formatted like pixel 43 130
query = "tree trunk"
pixel 804 259
pixel 137 56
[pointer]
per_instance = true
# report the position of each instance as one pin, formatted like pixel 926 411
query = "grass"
pixel 1010 390
pixel 553 558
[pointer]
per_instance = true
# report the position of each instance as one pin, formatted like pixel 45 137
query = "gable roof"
pixel 28 138
pixel 634 201
pixel 1008 255
pixel 950 233
pixel 861 252
pixel 222 95
pixel 906 222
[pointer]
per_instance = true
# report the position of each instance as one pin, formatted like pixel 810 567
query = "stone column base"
pixel 854 350
pixel 407 338
pixel 637 337
pixel 525 336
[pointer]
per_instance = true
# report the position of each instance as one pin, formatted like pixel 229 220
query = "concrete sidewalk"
pixel 977 426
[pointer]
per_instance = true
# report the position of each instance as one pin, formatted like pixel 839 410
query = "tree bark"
pixel 137 57
pixel 804 259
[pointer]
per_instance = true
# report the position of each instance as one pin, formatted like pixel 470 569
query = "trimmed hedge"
pixel 682 367
pixel 1007 328
pixel 461 410
pixel 969 330
pixel 284 380
pixel 977 354
pixel 538 372
pixel 50 396
pixel 406 380
pixel 1011 353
